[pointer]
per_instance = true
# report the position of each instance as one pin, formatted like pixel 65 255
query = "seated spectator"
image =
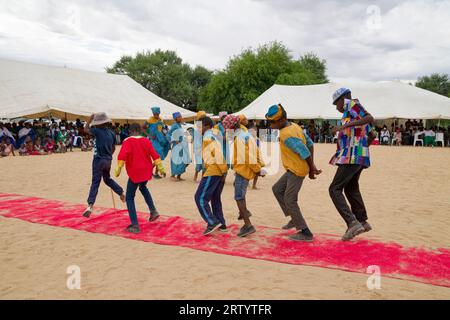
pixel 24 133
pixel 385 136
pixel 49 145
pixel 38 149
pixel 398 137
pixel 86 144
pixel 6 148
pixel 430 137
pixel 61 142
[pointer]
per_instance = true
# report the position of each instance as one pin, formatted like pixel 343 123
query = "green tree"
pixel 438 83
pixel 252 72
pixel 165 74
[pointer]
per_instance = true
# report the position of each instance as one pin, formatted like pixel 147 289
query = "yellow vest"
pixel 213 159
pixel 247 160
pixel 291 160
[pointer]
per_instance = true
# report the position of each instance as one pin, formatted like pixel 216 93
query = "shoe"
pixel 302 236
pixel 288 226
pixel 246 230
pixel 367 227
pixel 153 216
pixel 133 229
pixel 157 176
pixel 87 213
pixel 241 218
pixel 211 228
pixel 223 228
pixel 353 230
pixel 122 198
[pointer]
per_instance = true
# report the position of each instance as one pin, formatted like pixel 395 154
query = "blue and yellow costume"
pixel 156 135
pixel 180 158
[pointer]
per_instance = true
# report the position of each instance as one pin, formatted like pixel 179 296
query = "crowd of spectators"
pixel 42 137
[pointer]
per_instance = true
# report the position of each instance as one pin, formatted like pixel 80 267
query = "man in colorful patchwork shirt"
pixel 352 157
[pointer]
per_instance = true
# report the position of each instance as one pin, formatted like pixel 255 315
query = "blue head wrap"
pixel 156 110
pixel 176 115
pixel 275 113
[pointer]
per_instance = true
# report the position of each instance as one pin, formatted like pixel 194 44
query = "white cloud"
pixel 412 38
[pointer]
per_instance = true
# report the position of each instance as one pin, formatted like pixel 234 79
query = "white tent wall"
pixel 32 90
pixel 384 100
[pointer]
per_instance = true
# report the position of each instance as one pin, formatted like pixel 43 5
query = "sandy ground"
pixel 406 193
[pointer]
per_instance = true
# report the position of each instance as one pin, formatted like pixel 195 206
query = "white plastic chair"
pixel 416 138
pixel 439 138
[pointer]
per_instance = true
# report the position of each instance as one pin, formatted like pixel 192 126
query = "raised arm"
pixel 87 126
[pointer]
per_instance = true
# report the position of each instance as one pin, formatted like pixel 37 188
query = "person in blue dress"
pixel 198 143
pixel 179 158
pixel 154 130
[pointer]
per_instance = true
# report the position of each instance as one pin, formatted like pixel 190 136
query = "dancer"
pixel 247 165
pixel 138 156
pixel 104 148
pixel 213 180
pixel 222 135
pixel 297 155
pixel 244 122
pixel 179 157
pixel 352 157
pixel 154 127
pixel 198 143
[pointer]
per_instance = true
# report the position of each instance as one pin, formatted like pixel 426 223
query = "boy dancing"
pixel 247 165
pixel 139 156
pixel 213 180
pixel 297 155
pixel 104 147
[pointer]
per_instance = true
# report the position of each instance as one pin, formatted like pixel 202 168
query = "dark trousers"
pixel 346 181
pixel 101 169
pixel 210 190
pixel 286 191
pixel 130 195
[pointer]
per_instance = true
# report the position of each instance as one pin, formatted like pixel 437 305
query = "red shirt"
pixel 138 154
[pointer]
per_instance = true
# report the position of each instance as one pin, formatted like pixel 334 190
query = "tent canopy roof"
pixel 32 90
pixel 384 100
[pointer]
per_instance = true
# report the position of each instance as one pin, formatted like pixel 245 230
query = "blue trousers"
pixel 131 193
pixel 101 169
pixel 210 190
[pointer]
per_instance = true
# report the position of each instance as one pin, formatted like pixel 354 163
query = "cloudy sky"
pixel 370 40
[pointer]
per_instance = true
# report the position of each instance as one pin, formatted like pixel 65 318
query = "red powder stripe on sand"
pixel 395 261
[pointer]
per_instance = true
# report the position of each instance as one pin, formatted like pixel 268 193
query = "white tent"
pixel 32 90
pixel 384 100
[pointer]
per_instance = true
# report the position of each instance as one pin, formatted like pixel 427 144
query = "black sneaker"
pixel 353 230
pixel 289 225
pixel 302 236
pixel 87 213
pixel 157 176
pixel 367 227
pixel 223 228
pixel 133 229
pixel 211 228
pixel 153 216
pixel 246 230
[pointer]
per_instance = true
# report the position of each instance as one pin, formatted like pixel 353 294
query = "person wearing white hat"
pixel 104 147
pixel 352 157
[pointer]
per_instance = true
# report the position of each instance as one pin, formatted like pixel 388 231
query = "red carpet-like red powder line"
pixel 395 261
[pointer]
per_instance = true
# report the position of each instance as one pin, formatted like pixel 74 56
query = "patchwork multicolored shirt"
pixel 352 143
